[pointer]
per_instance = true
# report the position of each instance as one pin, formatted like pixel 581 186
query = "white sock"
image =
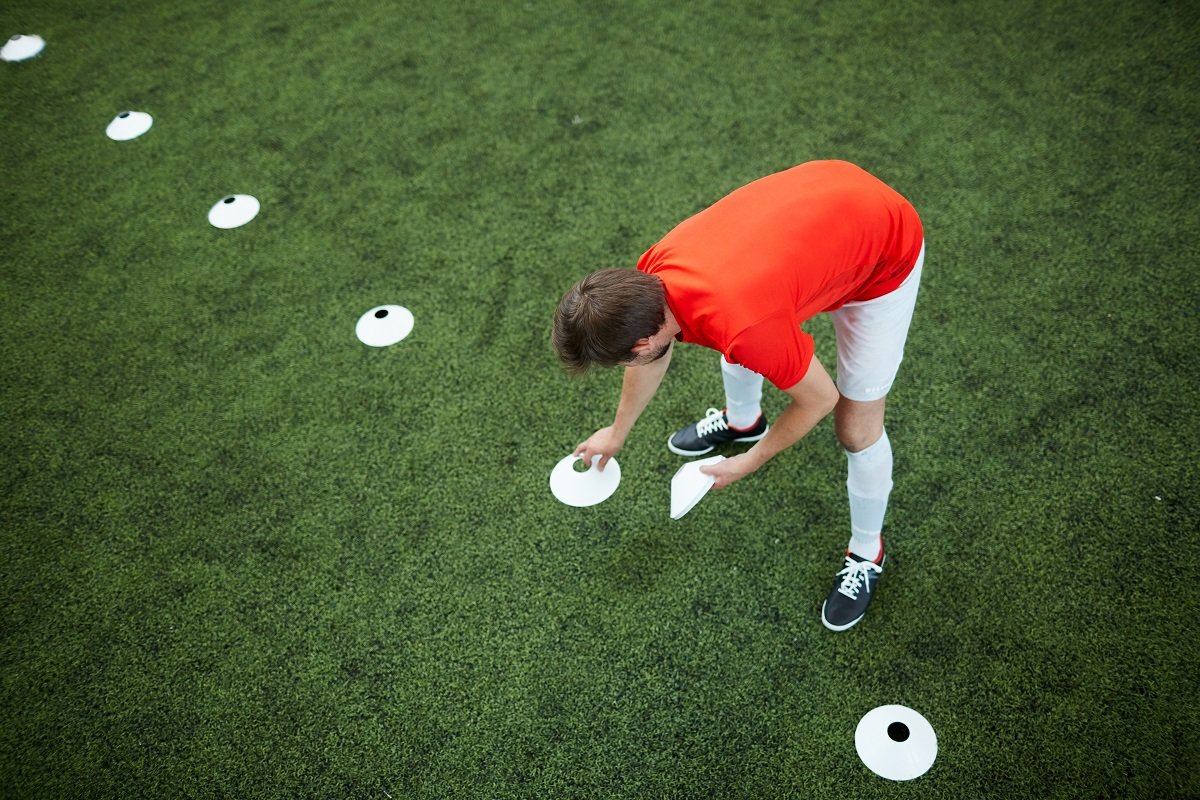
pixel 743 394
pixel 869 482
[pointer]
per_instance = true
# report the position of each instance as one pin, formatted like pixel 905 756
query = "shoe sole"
pixel 680 452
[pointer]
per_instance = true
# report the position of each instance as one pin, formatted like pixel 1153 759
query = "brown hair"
pixel 601 318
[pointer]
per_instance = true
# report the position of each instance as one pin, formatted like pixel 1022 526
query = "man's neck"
pixel 670 324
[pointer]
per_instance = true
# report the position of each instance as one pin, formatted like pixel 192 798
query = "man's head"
pixel 601 319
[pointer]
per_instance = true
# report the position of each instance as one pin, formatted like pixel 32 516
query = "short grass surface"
pixel 244 555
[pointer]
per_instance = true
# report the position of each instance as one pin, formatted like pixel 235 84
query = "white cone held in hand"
pixel 384 325
pixel 581 489
pixel 896 742
pixel 689 485
pixel 21 47
pixel 129 125
pixel 233 211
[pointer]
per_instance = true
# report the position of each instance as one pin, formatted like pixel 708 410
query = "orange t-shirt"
pixel 743 274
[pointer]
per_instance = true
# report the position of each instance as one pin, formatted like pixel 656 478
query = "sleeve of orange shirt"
pixel 775 348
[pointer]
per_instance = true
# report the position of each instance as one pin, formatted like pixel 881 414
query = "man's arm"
pixel 637 388
pixel 812 399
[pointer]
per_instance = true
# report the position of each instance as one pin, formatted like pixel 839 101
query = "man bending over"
pixel 741 277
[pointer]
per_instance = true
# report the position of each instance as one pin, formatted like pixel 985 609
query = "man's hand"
pixel 605 443
pixel 731 469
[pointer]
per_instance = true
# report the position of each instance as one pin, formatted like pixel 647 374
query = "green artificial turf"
pixel 243 555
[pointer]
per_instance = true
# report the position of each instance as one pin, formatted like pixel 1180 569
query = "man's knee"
pixel 859 439
pixel 858 425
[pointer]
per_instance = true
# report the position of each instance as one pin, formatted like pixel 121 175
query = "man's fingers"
pixel 588 451
pixel 720 482
pixel 587 455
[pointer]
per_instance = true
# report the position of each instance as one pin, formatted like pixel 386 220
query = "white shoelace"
pixel 714 420
pixel 854 576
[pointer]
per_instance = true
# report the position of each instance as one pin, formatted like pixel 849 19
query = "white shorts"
pixel 870 338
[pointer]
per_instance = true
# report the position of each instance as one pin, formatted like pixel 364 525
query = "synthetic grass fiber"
pixel 245 555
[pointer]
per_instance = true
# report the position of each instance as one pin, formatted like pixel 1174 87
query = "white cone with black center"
pixel 896 742
pixel 21 47
pixel 587 488
pixel 129 125
pixel 233 211
pixel 384 325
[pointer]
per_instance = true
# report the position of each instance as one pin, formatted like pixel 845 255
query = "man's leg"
pixel 741 421
pixel 743 395
pixel 870 347
pixel 859 428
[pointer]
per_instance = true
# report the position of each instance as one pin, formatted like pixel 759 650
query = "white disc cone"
pixel 21 47
pixel 588 488
pixel 690 484
pixel 129 125
pixel 233 210
pixel 384 325
pixel 896 742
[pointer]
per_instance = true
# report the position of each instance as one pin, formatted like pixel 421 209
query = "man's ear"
pixel 641 346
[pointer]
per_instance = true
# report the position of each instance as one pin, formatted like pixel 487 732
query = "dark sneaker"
pixel 849 597
pixel 713 431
